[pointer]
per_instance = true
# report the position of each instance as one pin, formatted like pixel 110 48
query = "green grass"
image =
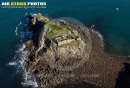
pixel 58 30
pixel 55 27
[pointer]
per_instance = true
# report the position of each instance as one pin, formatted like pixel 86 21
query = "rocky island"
pixel 65 55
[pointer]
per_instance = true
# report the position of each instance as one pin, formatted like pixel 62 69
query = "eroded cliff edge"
pixel 61 53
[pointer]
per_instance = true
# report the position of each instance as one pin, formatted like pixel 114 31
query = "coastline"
pixel 100 36
pixel 99 58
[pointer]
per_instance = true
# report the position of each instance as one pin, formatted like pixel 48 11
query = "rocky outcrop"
pixel 56 66
pixel 67 54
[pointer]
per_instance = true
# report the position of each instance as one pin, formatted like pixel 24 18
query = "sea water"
pixel 110 17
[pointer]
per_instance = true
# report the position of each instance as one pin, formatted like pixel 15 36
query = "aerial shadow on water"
pixel 123 80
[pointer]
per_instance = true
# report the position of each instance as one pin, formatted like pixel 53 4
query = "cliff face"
pixel 79 60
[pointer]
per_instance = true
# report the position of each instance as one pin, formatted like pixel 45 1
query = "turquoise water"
pixel 113 25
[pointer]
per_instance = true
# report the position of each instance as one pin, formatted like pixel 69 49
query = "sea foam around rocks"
pixel 19 60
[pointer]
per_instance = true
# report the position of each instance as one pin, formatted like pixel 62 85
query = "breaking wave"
pixel 12 64
pixel 100 36
pixel 21 57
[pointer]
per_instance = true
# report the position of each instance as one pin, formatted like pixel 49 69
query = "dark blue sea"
pixel 113 24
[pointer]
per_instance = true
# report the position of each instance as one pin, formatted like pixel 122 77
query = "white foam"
pixel 33 14
pixel 100 36
pixel 117 9
pixel 29 79
pixel 22 47
pixel 12 63
pixel 16 31
pixel 22 34
pixel 19 23
pixel 20 58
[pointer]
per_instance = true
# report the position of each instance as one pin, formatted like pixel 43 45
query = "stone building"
pixel 60 40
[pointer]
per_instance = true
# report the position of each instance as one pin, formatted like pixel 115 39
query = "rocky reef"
pixel 64 55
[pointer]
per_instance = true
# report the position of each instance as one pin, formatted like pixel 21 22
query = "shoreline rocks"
pixel 101 70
